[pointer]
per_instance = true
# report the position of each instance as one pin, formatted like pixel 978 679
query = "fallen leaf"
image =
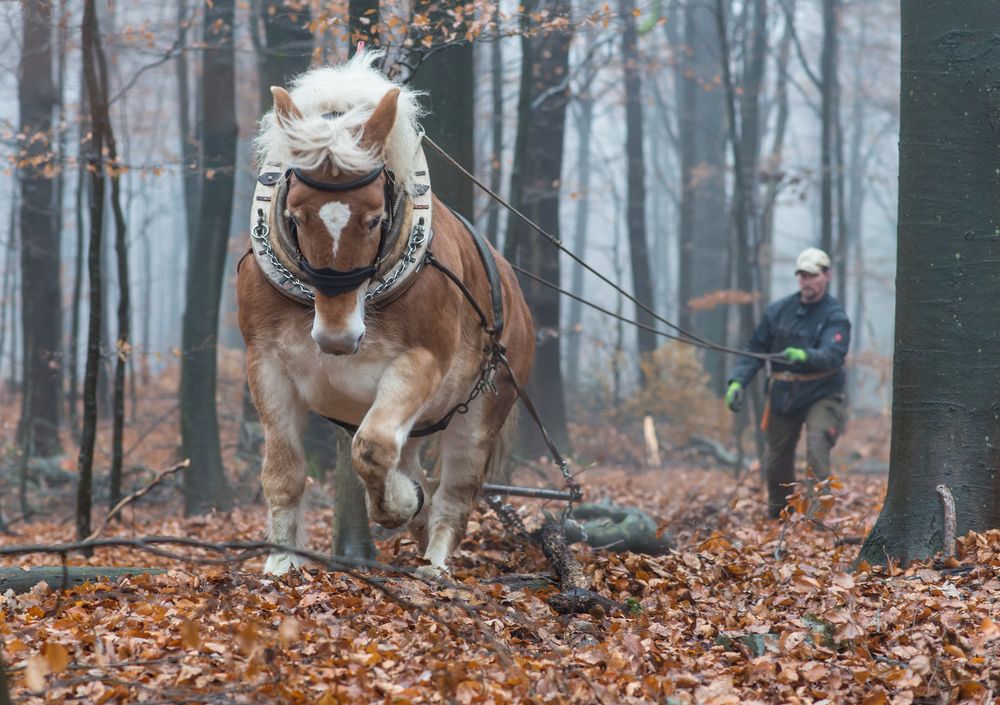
pixel 56 657
pixel 34 673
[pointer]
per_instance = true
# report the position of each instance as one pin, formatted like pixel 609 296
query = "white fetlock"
pixel 279 563
pixel 432 572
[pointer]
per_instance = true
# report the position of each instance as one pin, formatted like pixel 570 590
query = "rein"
pixel 684 336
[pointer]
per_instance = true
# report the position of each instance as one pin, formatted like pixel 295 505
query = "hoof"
pixel 420 496
pixel 431 572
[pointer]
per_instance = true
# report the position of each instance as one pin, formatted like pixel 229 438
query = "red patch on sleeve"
pixel 838 337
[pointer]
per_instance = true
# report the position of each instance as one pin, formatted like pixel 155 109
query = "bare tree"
pixel 829 110
pixel 96 168
pixel 41 292
pixel 703 232
pixel 445 72
pixel 636 167
pixel 100 105
pixel 536 173
pixel 205 485
pixel 945 369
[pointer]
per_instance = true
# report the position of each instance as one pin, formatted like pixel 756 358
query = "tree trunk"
pixel 574 320
pixel 946 370
pixel 188 134
pixel 703 235
pixel 122 344
pixel 41 294
pixel 745 143
pixel 496 138
pixel 81 239
pixel 636 166
pixel 855 217
pixel 447 75
pixel 96 166
pixel 352 534
pixel 828 111
pixel 22 581
pixel 288 46
pixel 774 173
pixel 205 485
pixel 8 315
pixel 535 191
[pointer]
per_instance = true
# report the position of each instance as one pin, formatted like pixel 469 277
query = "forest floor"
pixel 743 610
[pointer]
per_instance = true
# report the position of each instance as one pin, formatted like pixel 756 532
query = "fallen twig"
pixel 248 550
pixel 125 501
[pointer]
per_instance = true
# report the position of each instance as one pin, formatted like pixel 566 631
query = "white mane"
pixel 352 90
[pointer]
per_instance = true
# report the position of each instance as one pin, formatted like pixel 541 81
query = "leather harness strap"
pixel 492 273
pixel 495 350
pixel 802 376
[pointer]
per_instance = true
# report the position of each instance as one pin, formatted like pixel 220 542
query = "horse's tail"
pixel 498 468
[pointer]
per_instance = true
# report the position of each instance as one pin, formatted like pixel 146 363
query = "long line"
pixel 689 337
pixel 770 357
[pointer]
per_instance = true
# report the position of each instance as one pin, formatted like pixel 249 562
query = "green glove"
pixel 734 396
pixel 795 355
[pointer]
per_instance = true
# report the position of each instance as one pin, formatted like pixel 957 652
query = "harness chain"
pixel 261 233
pixel 417 238
pixel 496 352
pixel 508 516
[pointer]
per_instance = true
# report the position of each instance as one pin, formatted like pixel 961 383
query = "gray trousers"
pixel 824 422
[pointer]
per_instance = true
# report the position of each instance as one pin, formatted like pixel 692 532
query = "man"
pixel 811 331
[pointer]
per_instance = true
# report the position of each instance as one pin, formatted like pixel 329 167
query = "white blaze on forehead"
pixel 335 216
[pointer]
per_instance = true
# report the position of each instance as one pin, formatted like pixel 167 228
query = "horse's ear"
pixel 379 125
pixel 284 108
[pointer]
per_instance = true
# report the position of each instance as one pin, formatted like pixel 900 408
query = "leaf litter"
pixel 744 610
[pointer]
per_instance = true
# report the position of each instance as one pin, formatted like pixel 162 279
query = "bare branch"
pixel 125 501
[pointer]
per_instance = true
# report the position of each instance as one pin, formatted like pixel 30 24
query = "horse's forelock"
pixel 351 90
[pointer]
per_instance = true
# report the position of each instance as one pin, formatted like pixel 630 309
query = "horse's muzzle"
pixel 338 345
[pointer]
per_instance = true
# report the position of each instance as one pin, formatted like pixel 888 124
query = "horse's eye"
pixel 374 223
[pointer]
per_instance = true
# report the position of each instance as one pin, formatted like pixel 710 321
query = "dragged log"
pixel 59 578
pixel 574 594
pixel 619 528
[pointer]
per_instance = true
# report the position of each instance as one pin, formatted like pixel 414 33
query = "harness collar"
pixel 406 236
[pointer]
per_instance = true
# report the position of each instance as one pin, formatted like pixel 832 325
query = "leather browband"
pixel 336 187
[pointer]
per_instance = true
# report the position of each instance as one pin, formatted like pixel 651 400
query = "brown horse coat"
pixel 388 369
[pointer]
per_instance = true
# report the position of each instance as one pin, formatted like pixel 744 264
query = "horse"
pixel 369 302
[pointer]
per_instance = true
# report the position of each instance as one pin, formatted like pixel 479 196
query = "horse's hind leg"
pixel 469 446
pixel 283 474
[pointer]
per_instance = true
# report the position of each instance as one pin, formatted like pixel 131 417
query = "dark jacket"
pixel 821 328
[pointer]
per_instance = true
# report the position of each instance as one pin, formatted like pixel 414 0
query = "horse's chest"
pixel 335 385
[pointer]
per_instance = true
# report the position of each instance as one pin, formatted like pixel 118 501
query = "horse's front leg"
pixel 283 475
pixel 394 497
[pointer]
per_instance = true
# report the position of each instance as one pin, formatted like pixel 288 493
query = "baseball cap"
pixel 812 260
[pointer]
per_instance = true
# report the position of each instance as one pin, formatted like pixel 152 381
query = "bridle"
pixel 327 280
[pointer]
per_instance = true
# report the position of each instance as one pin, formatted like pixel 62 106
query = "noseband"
pixel 326 280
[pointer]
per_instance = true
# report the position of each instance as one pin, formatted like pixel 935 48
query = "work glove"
pixel 734 396
pixel 795 355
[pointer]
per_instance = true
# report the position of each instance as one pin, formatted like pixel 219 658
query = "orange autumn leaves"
pixel 719 621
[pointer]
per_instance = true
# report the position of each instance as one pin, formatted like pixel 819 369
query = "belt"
pixel 802 376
